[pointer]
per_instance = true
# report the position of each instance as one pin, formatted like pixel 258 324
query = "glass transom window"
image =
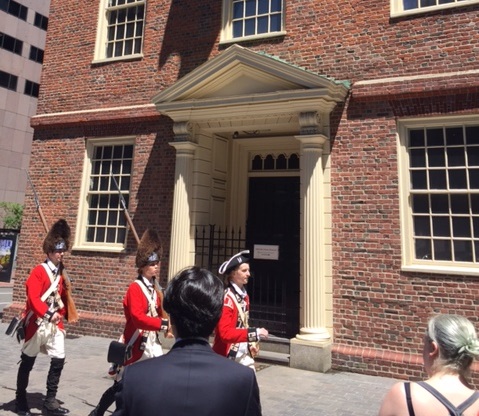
pixel 444 193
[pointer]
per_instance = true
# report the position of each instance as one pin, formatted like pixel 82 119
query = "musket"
pixel 158 288
pixel 72 314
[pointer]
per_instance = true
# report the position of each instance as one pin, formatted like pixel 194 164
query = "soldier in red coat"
pixel 43 321
pixel 233 336
pixel 144 315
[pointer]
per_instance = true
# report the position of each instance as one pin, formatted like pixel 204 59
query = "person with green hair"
pixel 450 347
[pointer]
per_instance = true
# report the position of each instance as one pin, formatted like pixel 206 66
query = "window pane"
pixel 437 179
pixel 423 249
pixel 420 204
pixel 418 179
pixel 238 29
pixel 250 8
pixel 422 227
pixel 475 226
pixel 435 157
pixel 238 10
pixel 474 178
pixel 410 4
pixel 439 204
pixel 441 227
pixel 249 27
pixel 456 156
pixel 263 6
pixel 463 250
pixel 459 204
pixel 416 138
pixel 461 227
pixel 276 5
pixel 442 250
pixel 475 203
pixel 275 24
pixel 262 25
pixel 454 136
pixel 472 135
pixel 435 137
pixel 457 179
pixel 281 162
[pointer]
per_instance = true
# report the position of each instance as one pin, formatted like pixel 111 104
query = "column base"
pixel 312 356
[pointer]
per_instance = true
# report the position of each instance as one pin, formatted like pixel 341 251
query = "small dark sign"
pixel 8 245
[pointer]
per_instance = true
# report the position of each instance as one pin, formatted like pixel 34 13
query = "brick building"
pixel 341 138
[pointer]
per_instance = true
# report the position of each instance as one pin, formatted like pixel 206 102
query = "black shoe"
pixel 51 407
pixel 21 409
pixel 94 412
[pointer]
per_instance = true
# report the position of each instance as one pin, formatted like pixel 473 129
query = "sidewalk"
pixel 284 391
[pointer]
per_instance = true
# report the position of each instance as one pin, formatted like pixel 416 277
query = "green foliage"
pixel 12 214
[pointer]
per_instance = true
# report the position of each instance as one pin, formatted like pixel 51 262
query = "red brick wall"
pixel 377 308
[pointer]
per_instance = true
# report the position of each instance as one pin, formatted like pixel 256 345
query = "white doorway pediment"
pixel 240 83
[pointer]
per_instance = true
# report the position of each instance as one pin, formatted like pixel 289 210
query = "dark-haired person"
pixel 191 379
pixel 233 336
pixel 44 314
pixel 143 312
pixel 450 347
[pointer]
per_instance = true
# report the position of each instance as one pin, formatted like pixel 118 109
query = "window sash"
pixel 102 222
pixel 124 28
pixel 442 185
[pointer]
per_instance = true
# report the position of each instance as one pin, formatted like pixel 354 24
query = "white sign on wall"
pixel 266 252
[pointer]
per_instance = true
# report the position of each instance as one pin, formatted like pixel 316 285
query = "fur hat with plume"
pixel 58 238
pixel 149 249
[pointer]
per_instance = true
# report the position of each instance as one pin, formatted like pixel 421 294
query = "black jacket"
pixel 190 380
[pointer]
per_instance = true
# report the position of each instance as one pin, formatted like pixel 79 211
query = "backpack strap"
pixel 407 388
pixel 453 410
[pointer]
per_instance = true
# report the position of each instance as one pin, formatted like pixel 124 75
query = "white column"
pixel 313 285
pixel 182 243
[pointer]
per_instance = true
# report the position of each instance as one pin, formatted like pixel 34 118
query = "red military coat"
pixel 228 331
pixel 135 308
pixel 37 284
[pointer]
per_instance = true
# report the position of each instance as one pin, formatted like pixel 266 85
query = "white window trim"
pixel 101 37
pixel 397 11
pixel 409 263
pixel 226 36
pixel 80 243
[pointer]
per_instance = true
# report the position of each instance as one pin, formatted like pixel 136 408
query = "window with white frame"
pixel 107 178
pixel 417 6
pixel 120 29
pixel 440 168
pixel 252 19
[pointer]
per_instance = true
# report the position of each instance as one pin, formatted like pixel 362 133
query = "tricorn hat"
pixel 58 238
pixel 149 249
pixel 233 262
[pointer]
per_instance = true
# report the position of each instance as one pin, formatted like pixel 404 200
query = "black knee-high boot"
pixel 23 377
pixel 51 407
pixel 107 399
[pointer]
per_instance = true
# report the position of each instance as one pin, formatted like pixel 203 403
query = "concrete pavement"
pixel 284 391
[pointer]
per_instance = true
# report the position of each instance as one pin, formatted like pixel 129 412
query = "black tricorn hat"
pixel 58 238
pixel 149 249
pixel 233 262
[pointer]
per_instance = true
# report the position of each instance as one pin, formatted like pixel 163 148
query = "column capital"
pixel 309 122
pixel 183 131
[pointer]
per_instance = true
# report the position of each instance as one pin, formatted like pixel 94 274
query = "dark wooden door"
pixel 273 220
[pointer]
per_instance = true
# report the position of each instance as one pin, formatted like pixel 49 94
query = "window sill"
pixel 251 38
pixel 455 270
pixel 103 248
pixel 135 57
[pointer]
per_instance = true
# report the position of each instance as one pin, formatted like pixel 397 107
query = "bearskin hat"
pixel 58 238
pixel 149 249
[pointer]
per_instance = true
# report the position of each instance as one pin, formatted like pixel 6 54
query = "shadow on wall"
pixel 190 33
